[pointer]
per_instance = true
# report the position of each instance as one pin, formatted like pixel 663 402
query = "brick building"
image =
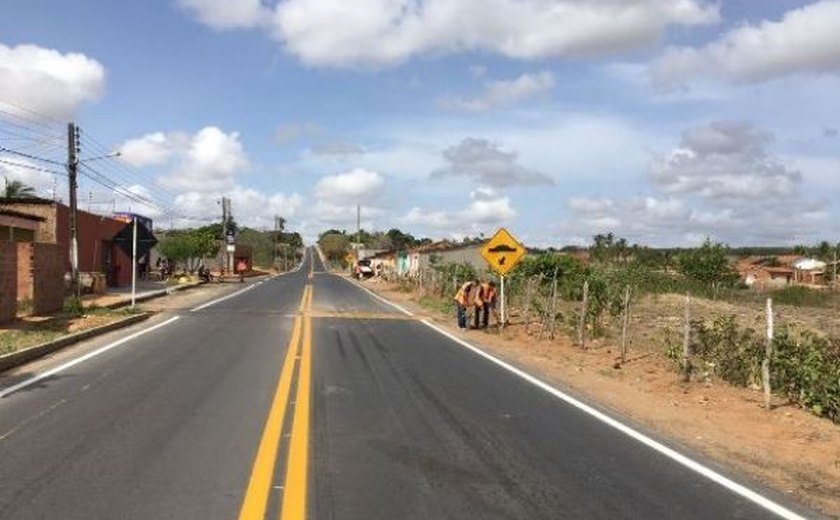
pixel 97 235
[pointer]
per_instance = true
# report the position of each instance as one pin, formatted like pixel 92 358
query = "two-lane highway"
pixel 307 397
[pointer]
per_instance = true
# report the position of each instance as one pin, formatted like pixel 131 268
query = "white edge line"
pixel 380 298
pixel 23 384
pixel 223 298
pixel 672 454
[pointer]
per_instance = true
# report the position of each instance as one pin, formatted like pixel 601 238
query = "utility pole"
pixel 358 229
pixel 72 170
pixel 225 217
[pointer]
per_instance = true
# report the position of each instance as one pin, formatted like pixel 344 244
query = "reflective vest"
pixel 464 293
pixel 488 293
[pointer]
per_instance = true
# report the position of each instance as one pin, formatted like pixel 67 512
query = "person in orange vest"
pixel 464 298
pixel 485 304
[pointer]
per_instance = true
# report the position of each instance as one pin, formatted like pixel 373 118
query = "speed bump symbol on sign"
pixel 502 252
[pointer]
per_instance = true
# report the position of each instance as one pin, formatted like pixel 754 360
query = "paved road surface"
pixel 306 397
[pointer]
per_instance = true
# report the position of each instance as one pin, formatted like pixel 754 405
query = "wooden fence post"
pixel 768 353
pixel 624 322
pixel 686 361
pixel 553 305
pixel 584 308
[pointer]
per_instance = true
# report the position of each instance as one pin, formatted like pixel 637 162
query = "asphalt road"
pixel 304 396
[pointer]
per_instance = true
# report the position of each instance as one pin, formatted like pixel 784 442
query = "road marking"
pixel 307 289
pixel 672 454
pixel 295 485
pixel 81 359
pixel 223 298
pixel 256 496
pixel 380 298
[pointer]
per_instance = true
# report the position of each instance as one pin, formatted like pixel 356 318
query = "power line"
pixel 29 156
pixel 31 167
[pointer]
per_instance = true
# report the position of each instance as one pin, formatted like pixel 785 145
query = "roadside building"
pixel 103 242
pixel 424 257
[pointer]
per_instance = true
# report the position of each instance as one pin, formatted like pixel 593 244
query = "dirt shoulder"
pixel 786 448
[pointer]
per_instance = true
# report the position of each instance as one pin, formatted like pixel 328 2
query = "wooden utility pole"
pixel 72 172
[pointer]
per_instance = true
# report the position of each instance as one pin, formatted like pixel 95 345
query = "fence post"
pixel 584 308
pixel 553 305
pixel 625 320
pixel 768 353
pixel 686 361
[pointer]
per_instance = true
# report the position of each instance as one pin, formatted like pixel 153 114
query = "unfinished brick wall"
pixel 8 281
pixel 48 278
pixel 24 271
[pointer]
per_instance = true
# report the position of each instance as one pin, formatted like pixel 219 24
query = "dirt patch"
pixel 786 448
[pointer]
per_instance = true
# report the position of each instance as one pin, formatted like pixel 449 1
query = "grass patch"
pixel 799 296
pixel 28 333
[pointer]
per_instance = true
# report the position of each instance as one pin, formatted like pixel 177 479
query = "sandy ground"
pixel 786 448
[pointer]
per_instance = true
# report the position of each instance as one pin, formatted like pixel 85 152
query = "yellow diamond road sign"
pixel 350 259
pixel 502 252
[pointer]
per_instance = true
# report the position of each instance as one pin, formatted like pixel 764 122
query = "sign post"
pixel 502 253
pixel 134 262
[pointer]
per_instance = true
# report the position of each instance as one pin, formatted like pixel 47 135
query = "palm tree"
pixel 16 189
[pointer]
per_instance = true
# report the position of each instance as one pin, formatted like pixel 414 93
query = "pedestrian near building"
pixel 464 298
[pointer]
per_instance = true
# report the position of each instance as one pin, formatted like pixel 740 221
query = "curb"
pixel 151 295
pixel 16 359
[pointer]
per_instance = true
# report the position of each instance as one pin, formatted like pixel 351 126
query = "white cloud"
pixel 804 40
pixel 721 181
pixel 353 186
pixel 248 206
pixel 210 162
pixel 151 149
pixel 48 81
pixel 503 92
pixel 486 209
pixel 15 168
pixel 486 163
pixel 227 14
pixel 388 32
pixel 725 161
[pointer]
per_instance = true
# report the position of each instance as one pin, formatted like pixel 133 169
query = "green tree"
pixel 709 265
pixel 189 247
pixel 15 189
pixel 334 245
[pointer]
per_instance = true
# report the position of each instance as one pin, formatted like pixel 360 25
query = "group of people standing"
pixel 481 297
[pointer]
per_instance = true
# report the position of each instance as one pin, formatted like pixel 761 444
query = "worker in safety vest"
pixel 464 298
pixel 485 304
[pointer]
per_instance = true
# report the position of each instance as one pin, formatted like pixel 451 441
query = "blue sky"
pixel 664 121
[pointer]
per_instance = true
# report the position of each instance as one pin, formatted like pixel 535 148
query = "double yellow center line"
pixel 293 505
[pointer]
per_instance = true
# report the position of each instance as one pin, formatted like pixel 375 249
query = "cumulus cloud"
pixel 388 32
pixel 47 80
pixel 723 161
pixel 721 181
pixel 353 186
pixel 249 206
pixel 227 14
pixel 486 208
pixel 207 162
pixel 503 92
pixel 152 149
pixel 487 164
pixel 804 40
